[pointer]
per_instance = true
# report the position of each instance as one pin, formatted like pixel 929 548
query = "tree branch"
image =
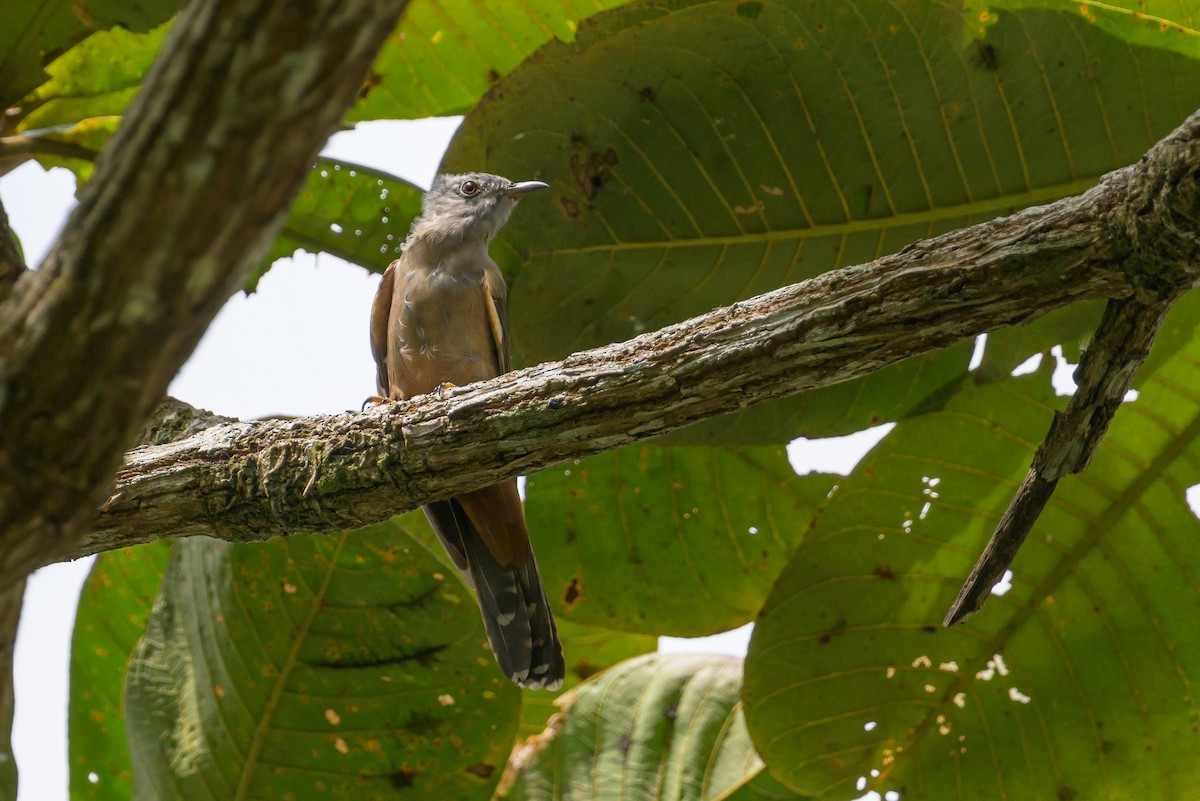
pixel 17 149
pixel 11 599
pixel 1104 375
pixel 1160 230
pixel 12 265
pixel 186 197
pixel 256 480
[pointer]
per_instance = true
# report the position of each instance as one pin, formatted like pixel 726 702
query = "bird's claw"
pixel 442 388
pixel 373 400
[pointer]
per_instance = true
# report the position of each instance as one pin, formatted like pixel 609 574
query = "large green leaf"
pixel 657 727
pixel 588 650
pixel 113 609
pixel 353 212
pixel 669 540
pixel 1009 347
pixel 96 78
pixel 913 386
pixel 447 53
pixel 410 79
pixel 1079 682
pixel 36 31
pixel 1167 24
pixel 352 665
pixel 701 152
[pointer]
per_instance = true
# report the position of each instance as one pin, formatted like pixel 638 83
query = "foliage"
pixel 1076 683
pixel 653 727
pixel 700 152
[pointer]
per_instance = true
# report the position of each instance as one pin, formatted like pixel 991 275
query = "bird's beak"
pixel 523 188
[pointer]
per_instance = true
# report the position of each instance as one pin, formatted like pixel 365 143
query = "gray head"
pixel 469 207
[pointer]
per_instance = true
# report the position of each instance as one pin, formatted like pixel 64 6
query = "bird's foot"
pixel 373 400
pixel 441 389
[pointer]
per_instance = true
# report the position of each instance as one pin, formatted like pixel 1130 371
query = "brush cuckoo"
pixel 440 318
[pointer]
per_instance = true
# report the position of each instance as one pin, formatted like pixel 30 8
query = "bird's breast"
pixel 440 332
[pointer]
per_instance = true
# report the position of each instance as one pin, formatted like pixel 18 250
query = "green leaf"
pixel 75 147
pixel 351 665
pixel 704 152
pixel 96 78
pixel 1009 347
pixel 113 609
pixel 588 650
pixel 447 53
pixel 657 727
pixel 409 80
pixel 74 113
pixel 356 213
pixel 668 540
pixel 36 31
pixel 1076 683
pixel 914 386
pixel 1165 24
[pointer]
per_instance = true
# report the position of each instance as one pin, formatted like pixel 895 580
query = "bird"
pixel 440 319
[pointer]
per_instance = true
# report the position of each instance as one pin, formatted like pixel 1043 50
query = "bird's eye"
pixel 469 188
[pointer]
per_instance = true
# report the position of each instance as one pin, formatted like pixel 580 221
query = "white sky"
pixel 297 346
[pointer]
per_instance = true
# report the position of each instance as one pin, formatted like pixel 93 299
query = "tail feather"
pixel 512 601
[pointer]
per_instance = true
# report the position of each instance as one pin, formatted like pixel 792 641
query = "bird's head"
pixel 469 207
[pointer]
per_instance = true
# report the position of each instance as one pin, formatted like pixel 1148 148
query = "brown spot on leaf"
pixel 569 206
pixel 572 594
pixel 987 57
pixel 402 779
pixel 592 169
pixel 885 572
pixel 831 632
pixel 482 769
pixel 81 13
pixel 646 94
pixel 372 80
pixel 584 669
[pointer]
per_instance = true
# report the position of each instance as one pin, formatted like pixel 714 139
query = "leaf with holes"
pixel 1078 682
pixel 657 727
pixel 353 212
pixel 1007 348
pixel 316 667
pixel 669 540
pixel 703 152
pixel 113 609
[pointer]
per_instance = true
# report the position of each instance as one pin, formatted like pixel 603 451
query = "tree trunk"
pixel 186 198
